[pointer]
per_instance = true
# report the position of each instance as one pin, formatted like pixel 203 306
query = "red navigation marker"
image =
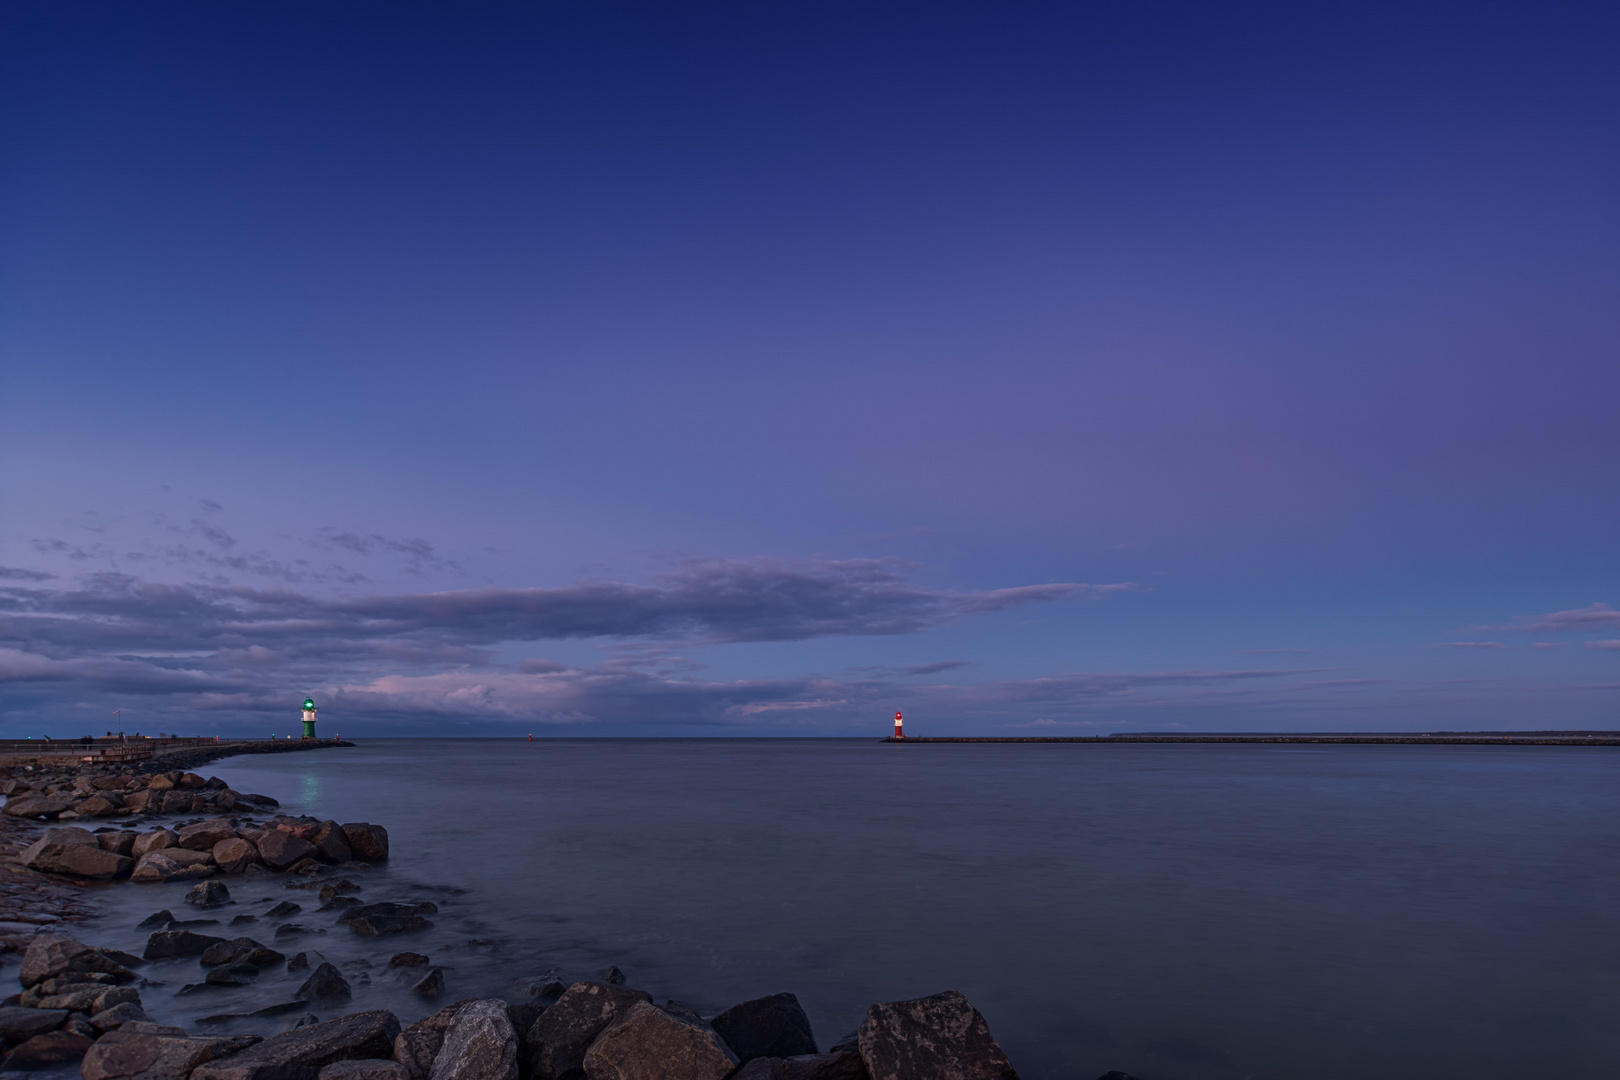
pixel 898 733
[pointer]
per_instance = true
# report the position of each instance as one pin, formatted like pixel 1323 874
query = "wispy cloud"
pixel 1607 643
pixel 1597 616
pixel 1473 645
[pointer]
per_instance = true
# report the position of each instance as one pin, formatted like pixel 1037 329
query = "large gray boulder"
pixel 326 983
pixel 774 1026
pixel 171 944
pixel 52 955
pixel 417 1046
pixel 235 855
pixel 301 1053
pixel 37 805
pixel 138 1051
pixel 558 1040
pixel 480 1044
pixel 364 1069
pixel 205 834
pixel 651 1044
pixel 942 1037
pixel 51 1048
pixel 18 1024
pixel 76 852
pixel 367 842
pixel 156 840
pixel 281 849
pixel 331 842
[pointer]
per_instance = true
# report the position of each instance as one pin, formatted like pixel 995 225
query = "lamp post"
pixel 309 718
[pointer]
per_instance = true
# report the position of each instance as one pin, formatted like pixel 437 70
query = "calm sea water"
pixel 1178 912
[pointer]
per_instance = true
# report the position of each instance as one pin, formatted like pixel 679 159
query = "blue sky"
pixel 728 370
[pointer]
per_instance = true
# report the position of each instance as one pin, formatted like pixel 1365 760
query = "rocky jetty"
pixel 81 1003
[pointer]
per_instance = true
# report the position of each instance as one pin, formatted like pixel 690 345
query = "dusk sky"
pixel 763 369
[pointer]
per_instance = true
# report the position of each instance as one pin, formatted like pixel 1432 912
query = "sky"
pixel 657 369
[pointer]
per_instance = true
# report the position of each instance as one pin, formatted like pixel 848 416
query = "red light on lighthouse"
pixel 898 733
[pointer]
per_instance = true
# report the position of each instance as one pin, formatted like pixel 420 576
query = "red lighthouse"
pixel 897 732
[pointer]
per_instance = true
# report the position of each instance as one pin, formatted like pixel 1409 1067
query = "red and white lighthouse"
pixel 899 734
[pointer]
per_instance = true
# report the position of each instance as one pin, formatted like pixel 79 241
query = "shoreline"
pixel 81 1003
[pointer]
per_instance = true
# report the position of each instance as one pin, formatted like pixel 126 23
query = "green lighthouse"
pixel 309 718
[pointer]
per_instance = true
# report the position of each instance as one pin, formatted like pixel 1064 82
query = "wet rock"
pixel 156 840
pixel 337 888
pixel 613 976
pixel 331 842
pixel 774 1026
pixel 650 1044
pixel 51 955
pixel 942 1037
pixel 417 1045
pixel 160 783
pixel 37 805
pixel 205 834
pixel 170 944
pixel 161 918
pixel 121 842
pixel 431 985
pixel 208 894
pixel 846 1065
pixel 74 851
pixel 545 987
pixel 290 930
pixel 232 975
pixel 283 909
pixel 384 925
pixel 389 909
pixel 559 1038
pixel 191 782
pixel 407 960
pixel 480 1044
pixel 1115 1074
pixel 341 903
pixel 243 920
pixel 52 1048
pixel 167 865
pixel 299 962
pixel 117 1016
pixel 364 1069
pixel 139 1051
pixel 300 1054
pixel 176 802
pixel 682 1011
pixel 367 842
pixel 326 983
pixel 138 802
pixel 19 1024
pixel 762 1069
pixel 91 1000
pixel 104 805
pixel 282 849
pixel 234 855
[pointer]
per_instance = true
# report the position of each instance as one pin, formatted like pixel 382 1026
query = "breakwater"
pixel 1507 738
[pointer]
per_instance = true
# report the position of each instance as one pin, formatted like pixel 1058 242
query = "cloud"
pixel 1596 617
pixel 419 554
pixel 1609 643
pixel 1474 645
pixel 210 646
pixel 12 573
pixel 934 668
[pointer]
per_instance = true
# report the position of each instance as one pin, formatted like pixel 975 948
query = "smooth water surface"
pixel 1180 912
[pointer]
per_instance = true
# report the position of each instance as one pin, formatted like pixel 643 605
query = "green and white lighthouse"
pixel 309 718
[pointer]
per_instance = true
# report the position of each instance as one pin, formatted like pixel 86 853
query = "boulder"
pixel 205 834
pixel 285 908
pixel 407 960
pixel 191 782
pixel 173 944
pixel 364 1069
pixel 93 863
pixel 103 805
pixel 110 783
pixel 234 855
pixel 142 1051
pixel 774 1026
pixel 242 950
pixel 37 805
pixel 116 1017
pixel 157 919
pixel 942 1037
pixel 383 925
pixel 650 1044
pixel 52 1048
pixel 91 999
pixel 417 1045
pixel 121 842
pixel 154 867
pixel 156 840
pixel 50 853
pixel 613 976
pixel 388 908
pixel 18 1024
pixel 842 1065
pixel 367 842
pixel 331 843
pixel 52 955
pixel 301 1053
pixel 138 802
pixel 208 894
pixel 282 849
pixel 326 983
pixel 430 985
pixel 559 1038
pixel 160 783
pixel 479 1044
pixel 176 802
